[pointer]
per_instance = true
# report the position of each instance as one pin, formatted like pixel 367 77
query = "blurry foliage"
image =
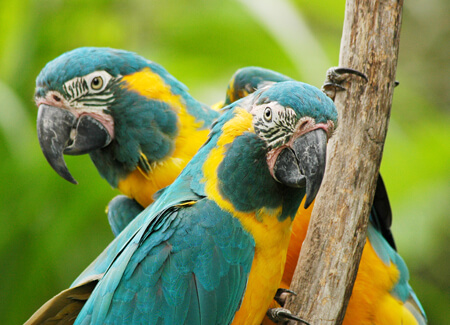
pixel 51 229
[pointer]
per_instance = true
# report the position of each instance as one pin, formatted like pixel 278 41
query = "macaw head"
pixel 282 133
pixel 303 119
pixel 115 105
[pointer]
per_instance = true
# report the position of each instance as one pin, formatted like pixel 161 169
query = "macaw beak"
pixel 61 132
pixel 303 163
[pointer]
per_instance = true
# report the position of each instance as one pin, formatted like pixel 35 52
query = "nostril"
pixel 304 124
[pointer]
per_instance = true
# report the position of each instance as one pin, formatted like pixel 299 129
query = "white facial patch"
pixel 90 91
pixel 274 123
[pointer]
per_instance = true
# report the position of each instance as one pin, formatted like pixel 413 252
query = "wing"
pixel 65 306
pixel 191 267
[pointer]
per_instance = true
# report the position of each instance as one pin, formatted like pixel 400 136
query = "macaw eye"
pixel 97 83
pixel 268 114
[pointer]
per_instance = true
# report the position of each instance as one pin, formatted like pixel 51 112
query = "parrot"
pixel 381 294
pixel 123 209
pixel 212 246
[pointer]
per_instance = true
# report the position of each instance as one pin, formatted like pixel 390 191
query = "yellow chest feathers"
pixel 271 235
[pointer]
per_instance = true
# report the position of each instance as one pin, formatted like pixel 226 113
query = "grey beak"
pixel 54 127
pixel 304 163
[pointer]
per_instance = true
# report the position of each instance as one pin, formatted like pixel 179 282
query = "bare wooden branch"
pixel 332 249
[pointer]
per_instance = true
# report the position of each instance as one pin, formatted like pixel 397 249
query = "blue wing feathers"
pixel 193 315
pixel 207 303
pixel 189 265
pixel 402 290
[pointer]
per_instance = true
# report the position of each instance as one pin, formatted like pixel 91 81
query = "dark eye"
pixel 268 114
pixel 97 83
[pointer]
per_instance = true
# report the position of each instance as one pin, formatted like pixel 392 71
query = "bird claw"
pixel 335 77
pixel 283 316
pixel 282 295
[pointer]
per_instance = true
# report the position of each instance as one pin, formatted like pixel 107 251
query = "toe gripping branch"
pixel 282 315
pixel 336 76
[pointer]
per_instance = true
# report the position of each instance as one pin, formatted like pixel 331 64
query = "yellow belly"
pixel 299 229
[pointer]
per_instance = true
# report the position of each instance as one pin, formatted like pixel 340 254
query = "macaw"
pixel 212 247
pixel 381 293
pixel 138 123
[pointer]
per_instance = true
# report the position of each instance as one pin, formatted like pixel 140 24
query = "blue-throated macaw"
pixel 152 87
pixel 211 248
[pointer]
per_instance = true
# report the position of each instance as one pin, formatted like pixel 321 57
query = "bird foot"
pixel 283 316
pixel 336 76
pixel 282 295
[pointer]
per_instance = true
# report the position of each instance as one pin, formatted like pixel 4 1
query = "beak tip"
pixel 60 167
pixel 73 181
pixel 303 165
pixel 308 202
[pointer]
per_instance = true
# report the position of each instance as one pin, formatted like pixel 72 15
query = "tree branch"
pixel 331 252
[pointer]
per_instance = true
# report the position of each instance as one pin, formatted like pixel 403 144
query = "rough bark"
pixel 332 249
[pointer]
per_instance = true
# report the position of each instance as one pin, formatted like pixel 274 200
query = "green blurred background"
pixel 51 230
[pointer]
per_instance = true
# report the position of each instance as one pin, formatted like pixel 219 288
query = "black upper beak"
pixel 304 163
pixel 54 127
